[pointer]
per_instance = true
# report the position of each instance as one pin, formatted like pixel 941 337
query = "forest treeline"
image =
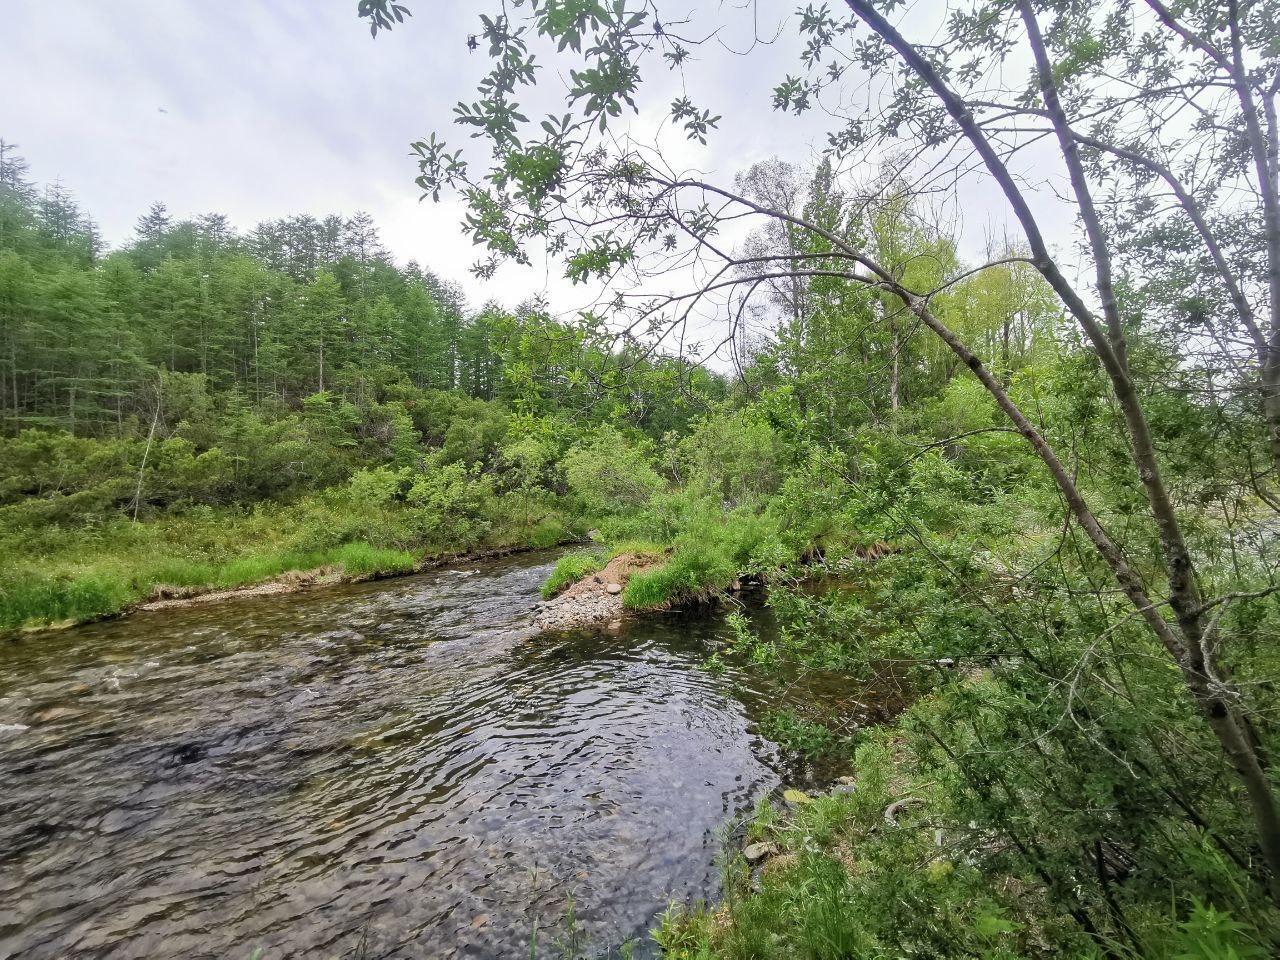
pixel 268 362
pixel 296 307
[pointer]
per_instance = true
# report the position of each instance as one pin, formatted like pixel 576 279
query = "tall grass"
pixel 55 575
pixel 361 559
pixel 571 568
pixel 691 572
pixel 31 598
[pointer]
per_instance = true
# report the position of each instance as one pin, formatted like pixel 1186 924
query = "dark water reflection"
pixel 395 769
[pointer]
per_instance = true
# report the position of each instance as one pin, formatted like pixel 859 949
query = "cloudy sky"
pixel 260 110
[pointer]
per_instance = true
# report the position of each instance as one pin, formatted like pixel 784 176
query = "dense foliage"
pixel 1089 494
pixel 1056 498
pixel 202 409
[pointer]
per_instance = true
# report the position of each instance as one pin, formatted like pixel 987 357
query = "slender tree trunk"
pixel 895 372
pixel 1271 399
pixel 1186 644
pixel 1205 680
pixel 137 493
pixel 13 361
pixel 1263 149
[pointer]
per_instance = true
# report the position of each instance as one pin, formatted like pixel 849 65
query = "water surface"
pixel 393 769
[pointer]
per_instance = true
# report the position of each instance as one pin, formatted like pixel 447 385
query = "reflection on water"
pixel 396 769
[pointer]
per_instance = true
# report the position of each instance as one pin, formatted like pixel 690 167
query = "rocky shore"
pixel 595 599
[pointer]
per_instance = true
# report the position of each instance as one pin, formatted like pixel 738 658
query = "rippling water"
pixel 395 769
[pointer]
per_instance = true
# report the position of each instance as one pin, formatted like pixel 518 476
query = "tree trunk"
pixel 895 372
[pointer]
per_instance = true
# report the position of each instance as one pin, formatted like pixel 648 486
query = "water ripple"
pixel 399 768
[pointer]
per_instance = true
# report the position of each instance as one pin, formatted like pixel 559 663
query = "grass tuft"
pixel 569 569
pixel 362 560
pixel 691 572
pixel 32 598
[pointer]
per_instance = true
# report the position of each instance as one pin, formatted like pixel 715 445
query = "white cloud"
pixel 264 110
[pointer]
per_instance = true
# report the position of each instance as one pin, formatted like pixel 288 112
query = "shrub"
pixel 737 457
pixel 548 532
pixel 609 475
pixel 451 505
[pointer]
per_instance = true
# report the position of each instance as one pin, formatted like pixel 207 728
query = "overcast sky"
pixel 261 110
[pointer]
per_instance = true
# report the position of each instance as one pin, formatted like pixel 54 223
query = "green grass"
pixel 361 559
pixel 638 548
pixel 548 533
pixel 571 568
pixel 32 598
pixel 51 574
pixel 691 572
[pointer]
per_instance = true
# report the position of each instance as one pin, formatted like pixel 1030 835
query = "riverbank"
pixel 296 581
pixel 386 565
pixel 112 568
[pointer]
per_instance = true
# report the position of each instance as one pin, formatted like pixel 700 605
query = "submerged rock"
pixel 56 713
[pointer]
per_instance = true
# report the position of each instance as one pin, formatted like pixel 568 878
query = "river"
pixel 389 769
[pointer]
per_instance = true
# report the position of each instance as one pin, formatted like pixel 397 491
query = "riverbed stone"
pixel 52 714
pixel 614 588
pixel 757 852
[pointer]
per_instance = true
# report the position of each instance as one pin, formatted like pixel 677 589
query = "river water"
pixel 392 769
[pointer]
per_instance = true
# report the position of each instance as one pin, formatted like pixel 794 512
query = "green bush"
pixel 794 732
pixel 451 505
pixel 609 475
pixel 549 532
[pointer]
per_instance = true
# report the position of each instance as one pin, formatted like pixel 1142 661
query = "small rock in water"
pixel 757 852
pixel 614 588
pixel 615 626
pixel 50 714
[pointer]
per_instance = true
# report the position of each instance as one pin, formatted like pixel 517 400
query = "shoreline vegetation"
pixel 353 565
